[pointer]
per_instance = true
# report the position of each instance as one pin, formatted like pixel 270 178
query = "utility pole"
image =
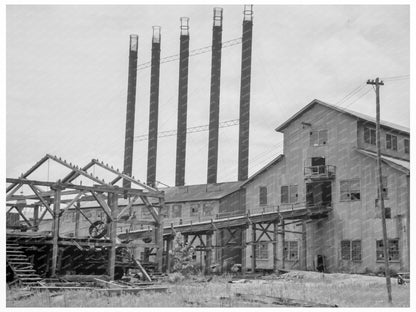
pixel 379 83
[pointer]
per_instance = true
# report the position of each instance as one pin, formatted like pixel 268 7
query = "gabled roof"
pixel 270 164
pixel 214 191
pixel 398 164
pixel 351 113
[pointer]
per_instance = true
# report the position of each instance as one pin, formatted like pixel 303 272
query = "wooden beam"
pixel 159 235
pixel 36 190
pixel 275 238
pixel 74 174
pixel 19 210
pixel 74 200
pixel 13 191
pixel 112 203
pixel 55 230
pixel 264 231
pixel 304 250
pixel 208 255
pixel 77 217
pixel 283 244
pixel 150 207
pixel 243 250
pixel 100 199
pixel 130 204
pixel 253 248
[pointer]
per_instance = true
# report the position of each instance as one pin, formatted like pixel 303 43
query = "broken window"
pixel 318 137
pixel 391 142
pixel 208 209
pixel 262 250
pixel 392 250
pixel 406 146
pixel 350 190
pixel 176 211
pixel 291 252
pixel 263 195
pixel 194 210
pixel 289 194
pixel 370 135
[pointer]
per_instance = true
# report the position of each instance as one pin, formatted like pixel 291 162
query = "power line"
pixel 163 134
pixel 195 52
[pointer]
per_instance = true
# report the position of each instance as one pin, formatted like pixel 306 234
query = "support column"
pixel 222 250
pixel 77 218
pixel 253 248
pixel 275 238
pixel 304 252
pixel 55 230
pixel 244 250
pixel 113 203
pixel 283 244
pixel 169 241
pixel 159 236
pixel 208 260
pixel 36 217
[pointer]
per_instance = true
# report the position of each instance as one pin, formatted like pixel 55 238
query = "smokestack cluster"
pixel 154 107
pixel 131 103
pixel 214 110
pixel 182 102
pixel 245 93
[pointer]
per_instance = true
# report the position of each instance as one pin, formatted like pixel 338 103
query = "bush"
pixel 182 256
pixel 175 277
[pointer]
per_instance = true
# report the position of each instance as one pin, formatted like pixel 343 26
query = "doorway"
pixel 318 194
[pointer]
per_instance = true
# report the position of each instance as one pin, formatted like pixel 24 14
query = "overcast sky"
pixel 67 78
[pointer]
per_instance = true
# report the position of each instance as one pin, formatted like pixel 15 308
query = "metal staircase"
pixel 23 272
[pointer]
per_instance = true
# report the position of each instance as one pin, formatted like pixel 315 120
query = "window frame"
pixel 263 195
pixel 380 250
pixel 350 190
pixel 193 213
pixel 289 247
pixel 207 212
pixel 406 143
pixel 391 141
pixel 262 250
pixel 174 213
pixel 370 135
pixel 320 136
pixel 290 195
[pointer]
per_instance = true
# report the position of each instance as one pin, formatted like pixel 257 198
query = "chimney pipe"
pixel 182 102
pixel 131 103
pixel 214 110
pixel 154 107
pixel 245 94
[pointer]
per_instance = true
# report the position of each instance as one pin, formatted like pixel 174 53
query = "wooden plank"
pixel 275 249
pixel 55 231
pixel 101 201
pixel 130 204
pixel 37 192
pixel 253 247
pixel 283 244
pixel 159 236
pixel 151 209
pixel 19 210
pixel 112 202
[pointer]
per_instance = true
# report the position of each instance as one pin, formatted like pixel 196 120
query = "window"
pixel 176 211
pixel 392 250
pixel 406 146
pixel 351 250
pixel 291 250
pixel 356 250
pixel 262 250
pixel 263 195
pixel 318 137
pixel 345 249
pixel 289 194
pixel 165 211
pixel 370 136
pixel 350 190
pixel 391 142
pixel 384 188
pixel 387 212
pixel 194 210
pixel 208 209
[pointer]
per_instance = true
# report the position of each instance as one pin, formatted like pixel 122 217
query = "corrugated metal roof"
pixel 199 192
pixel 343 111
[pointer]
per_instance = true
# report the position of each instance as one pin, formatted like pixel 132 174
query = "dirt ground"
pixel 296 288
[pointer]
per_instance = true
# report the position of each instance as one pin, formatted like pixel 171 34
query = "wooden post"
pixel 275 238
pixel 36 217
pixel 208 260
pixel 159 236
pixel 283 244
pixel 222 250
pixel 243 250
pixel 113 203
pixel 77 217
pixel 304 252
pixel 253 248
pixel 55 229
pixel 169 241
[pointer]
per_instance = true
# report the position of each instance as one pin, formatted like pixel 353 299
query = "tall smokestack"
pixel 214 110
pixel 182 102
pixel 245 93
pixel 154 107
pixel 131 103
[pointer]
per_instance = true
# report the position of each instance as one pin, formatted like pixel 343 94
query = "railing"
pixel 320 172
pixel 290 207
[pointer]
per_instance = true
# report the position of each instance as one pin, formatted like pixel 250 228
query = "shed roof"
pixel 399 164
pixel 360 116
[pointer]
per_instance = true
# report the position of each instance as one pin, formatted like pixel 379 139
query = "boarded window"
pixel 194 210
pixel 319 137
pixel 350 190
pixel 370 136
pixel 262 250
pixel 208 209
pixel 356 250
pixel 293 193
pixel 263 195
pixel 284 190
pixel 291 252
pixel 387 212
pixel 345 249
pixel 406 146
pixel 176 211
pixel 391 142
pixel 392 250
